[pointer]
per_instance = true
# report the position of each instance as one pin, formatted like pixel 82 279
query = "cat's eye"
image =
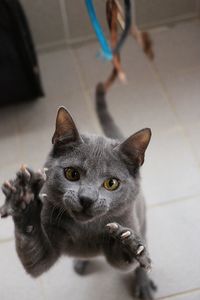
pixel 72 174
pixel 111 184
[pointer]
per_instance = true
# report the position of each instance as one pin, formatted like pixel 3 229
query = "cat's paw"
pixel 130 243
pixel 22 196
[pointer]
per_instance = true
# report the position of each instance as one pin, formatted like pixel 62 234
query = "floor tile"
pixel 9 150
pixel 177 48
pixel 170 170
pixel 184 91
pixel 61 87
pixel 35 146
pixel 15 283
pixel 101 282
pixel 172 233
pixel 59 72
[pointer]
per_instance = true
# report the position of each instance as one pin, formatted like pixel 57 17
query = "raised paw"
pixel 130 243
pixel 22 193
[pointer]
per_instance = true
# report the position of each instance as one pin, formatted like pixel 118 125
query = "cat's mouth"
pixel 83 216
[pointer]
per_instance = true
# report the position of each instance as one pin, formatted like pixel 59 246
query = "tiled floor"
pixel 163 95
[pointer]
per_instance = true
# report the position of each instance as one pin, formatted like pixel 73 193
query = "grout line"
pixel 198 7
pixel 172 201
pixel 46 48
pixel 41 284
pixel 187 292
pixel 64 19
pixel 186 71
pixel 6 240
pixel 168 22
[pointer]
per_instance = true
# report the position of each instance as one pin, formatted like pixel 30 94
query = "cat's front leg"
pixel 24 205
pixel 123 248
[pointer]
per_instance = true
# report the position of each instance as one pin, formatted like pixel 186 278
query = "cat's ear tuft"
pixel 66 131
pixel 135 146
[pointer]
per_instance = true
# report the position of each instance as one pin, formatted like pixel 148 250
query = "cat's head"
pixel 92 176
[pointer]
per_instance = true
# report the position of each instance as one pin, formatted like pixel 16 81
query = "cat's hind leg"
pixel 80 266
pixel 144 287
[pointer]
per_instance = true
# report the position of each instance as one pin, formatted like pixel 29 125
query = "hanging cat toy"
pixel 117 15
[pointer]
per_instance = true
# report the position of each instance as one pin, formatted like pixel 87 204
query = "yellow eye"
pixel 111 184
pixel 72 174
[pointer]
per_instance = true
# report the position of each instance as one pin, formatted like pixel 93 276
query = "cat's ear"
pixel 66 131
pixel 135 146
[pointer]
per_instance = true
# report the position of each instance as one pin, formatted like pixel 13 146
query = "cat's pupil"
pixel 111 182
pixel 74 173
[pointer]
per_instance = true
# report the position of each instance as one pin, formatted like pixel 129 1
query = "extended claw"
pixel 9 186
pixel 125 234
pixel 24 170
pixel 42 196
pixel 5 190
pixel 140 249
pixel 42 173
pixel 148 268
pixel 145 263
pixel 112 227
pixel 5 211
pixel 143 258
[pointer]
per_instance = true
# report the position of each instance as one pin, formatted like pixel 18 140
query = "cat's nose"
pixel 85 202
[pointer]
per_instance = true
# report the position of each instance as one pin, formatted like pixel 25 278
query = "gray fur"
pixel 62 226
pixel 109 127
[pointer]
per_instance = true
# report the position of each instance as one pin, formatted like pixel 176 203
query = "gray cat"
pixel 86 202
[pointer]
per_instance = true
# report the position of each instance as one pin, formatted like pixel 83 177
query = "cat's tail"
pixel 107 123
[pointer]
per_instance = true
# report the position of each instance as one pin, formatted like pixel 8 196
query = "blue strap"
pixel 106 51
